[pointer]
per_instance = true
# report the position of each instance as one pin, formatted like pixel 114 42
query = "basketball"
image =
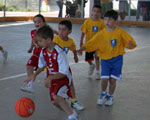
pixel 24 107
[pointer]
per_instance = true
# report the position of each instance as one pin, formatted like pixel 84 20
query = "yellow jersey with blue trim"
pixel 91 27
pixel 65 45
pixel 110 44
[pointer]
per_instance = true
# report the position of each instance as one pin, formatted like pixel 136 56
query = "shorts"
pixel 89 56
pixel 112 68
pixel 60 88
pixel 33 61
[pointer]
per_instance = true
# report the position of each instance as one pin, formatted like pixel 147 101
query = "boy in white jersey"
pixel 90 27
pixel 110 43
pixel 58 76
pixel 67 43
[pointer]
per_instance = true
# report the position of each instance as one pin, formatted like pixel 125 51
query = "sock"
pixel 74 100
pixel 103 92
pixel 30 83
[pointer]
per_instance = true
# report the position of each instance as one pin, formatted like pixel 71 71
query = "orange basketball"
pixel 24 107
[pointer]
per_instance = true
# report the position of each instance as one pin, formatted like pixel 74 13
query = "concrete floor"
pixel 132 95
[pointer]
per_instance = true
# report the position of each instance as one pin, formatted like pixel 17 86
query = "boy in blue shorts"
pixel 110 44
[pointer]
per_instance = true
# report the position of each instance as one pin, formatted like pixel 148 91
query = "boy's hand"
pixel 31 77
pixel 30 50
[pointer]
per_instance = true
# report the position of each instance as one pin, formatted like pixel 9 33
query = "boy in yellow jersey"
pixel 89 28
pixel 110 44
pixel 67 43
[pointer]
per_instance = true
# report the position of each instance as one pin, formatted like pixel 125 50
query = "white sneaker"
pixel 91 69
pixel 27 88
pixel 77 106
pixel 101 99
pixel 5 54
pixel 97 76
pixel 74 116
pixel 109 100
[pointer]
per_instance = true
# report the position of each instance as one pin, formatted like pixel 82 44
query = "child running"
pixel 110 44
pixel 58 76
pixel 4 54
pixel 89 28
pixel 67 43
pixel 32 64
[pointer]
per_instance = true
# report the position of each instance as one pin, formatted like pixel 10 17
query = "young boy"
pixel 89 28
pixel 4 53
pixel 110 43
pixel 58 76
pixel 32 64
pixel 67 43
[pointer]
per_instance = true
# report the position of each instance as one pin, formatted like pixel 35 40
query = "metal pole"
pixel 129 10
pixel 39 6
pixel 4 7
pixel 82 9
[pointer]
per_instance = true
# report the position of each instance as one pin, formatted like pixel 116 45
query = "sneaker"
pixel 74 116
pixel 109 100
pixel 97 76
pixel 77 106
pixel 27 88
pixel 91 69
pixel 101 99
pixel 5 54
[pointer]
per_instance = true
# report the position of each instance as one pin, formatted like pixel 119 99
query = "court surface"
pixel 132 96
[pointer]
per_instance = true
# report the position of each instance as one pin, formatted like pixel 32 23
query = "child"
pixel 32 64
pixel 58 76
pixel 110 43
pixel 67 43
pixel 4 53
pixel 90 27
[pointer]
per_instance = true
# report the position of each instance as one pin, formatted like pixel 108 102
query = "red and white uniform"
pixel 33 61
pixel 56 62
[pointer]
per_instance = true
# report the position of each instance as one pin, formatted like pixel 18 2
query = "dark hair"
pixel 97 6
pixel 111 14
pixel 67 23
pixel 45 32
pixel 40 16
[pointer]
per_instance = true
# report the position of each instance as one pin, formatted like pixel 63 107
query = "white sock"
pixel 30 83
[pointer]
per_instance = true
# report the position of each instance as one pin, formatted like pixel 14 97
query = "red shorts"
pixel 33 61
pixel 60 88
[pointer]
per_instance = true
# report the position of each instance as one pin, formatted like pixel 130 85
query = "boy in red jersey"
pixel 58 76
pixel 32 64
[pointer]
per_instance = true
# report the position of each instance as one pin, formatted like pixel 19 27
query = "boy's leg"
pixel 4 53
pixel 97 62
pixel 103 94
pixel 74 101
pixel 89 58
pixel 112 87
pixel 29 86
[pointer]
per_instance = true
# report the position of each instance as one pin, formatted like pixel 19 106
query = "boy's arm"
pixel 129 42
pixel 82 38
pixel 75 56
